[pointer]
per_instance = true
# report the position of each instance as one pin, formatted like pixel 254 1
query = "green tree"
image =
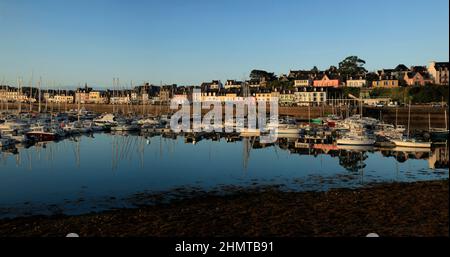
pixel 352 66
pixel 262 74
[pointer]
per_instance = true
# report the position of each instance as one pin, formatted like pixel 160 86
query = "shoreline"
pixel 389 209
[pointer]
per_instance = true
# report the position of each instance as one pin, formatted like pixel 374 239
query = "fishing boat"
pixel 41 133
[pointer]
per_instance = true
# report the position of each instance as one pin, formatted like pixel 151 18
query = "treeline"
pixel 415 94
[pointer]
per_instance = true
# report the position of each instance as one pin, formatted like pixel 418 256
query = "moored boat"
pixel 355 140
pixel 40 133
pixel 411 143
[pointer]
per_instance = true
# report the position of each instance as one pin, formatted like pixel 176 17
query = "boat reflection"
pixel 351 157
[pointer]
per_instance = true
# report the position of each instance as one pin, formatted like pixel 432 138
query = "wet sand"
pixel 398 209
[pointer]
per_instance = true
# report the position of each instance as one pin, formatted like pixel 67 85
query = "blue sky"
pixel 186 42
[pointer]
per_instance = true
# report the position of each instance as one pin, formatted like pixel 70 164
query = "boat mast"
pixel 445 117
pixel 31 91
pixel 19 81
pixel 112 102
pixel 78 106
pixel 396 116
pixel 429 122
pixel 46 99
pixel 143 105
pixel 39 95
pixel 409 116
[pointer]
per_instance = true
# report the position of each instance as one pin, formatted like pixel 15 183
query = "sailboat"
pixel 410 142
pixel 440 133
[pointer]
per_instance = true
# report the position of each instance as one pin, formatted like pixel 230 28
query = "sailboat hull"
pixel 412 144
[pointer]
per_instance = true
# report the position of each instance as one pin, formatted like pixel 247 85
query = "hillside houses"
pixel 296 88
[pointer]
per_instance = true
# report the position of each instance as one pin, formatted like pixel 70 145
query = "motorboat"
pixel 41 133
pixel 105 120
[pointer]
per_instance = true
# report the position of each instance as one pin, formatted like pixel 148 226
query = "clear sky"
pixel 187 42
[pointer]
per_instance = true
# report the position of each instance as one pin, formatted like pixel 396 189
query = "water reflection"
pixel 84 173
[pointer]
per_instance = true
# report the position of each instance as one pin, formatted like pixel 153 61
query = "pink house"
pixel 417 79
pixel 327 81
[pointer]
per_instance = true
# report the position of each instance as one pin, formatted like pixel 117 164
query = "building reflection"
pixel 352 158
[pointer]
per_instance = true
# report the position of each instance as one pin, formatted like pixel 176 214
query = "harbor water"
pixel 104 171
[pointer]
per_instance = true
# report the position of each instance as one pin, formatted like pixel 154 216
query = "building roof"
pixel 421 69
pixel 412 74
pixel 401 67
pixel 441 65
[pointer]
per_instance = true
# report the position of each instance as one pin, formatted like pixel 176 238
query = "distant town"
pixel 297 88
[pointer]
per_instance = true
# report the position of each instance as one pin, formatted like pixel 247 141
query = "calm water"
pixel 105 171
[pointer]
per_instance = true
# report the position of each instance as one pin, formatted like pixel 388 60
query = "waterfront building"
pixel 302 74
pixel 385 82
pixel 263 96
pixel 417 78
pixel 230 84
pixel 356 82
pixel 439 72
pixel 254 83
pixel 313 96
pixel 327 80
pixel 211 96
pixel 58 98
pixel 89 97
pixel 95 97
pixel 213 85
pixel 120 100
pixel 303 82
pixel 286 98
pixel 8 94
pixel 165 95
pixel 180 98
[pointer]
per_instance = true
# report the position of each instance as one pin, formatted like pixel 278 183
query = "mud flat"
pixel 398 209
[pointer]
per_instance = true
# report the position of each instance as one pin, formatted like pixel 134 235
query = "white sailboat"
pixel 410 142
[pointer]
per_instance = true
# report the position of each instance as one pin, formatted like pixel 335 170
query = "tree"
pixel 352 66
pixel 315 69
pixel 262 75
pixel 333 69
